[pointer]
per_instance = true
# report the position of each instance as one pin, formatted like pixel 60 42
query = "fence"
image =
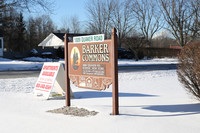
pixel 160 52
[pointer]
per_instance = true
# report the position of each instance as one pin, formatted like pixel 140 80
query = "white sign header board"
pixel 90 38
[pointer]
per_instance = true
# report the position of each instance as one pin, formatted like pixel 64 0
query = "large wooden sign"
pixel 91 63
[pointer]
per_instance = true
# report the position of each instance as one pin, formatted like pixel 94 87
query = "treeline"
pixel 21 35
pixel 136 21
pixel 144 18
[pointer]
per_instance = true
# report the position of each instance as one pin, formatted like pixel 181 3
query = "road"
pixel 121 69
pixel 18 74
pixel 152 67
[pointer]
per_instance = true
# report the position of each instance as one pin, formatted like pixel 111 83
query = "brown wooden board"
pixel 90 64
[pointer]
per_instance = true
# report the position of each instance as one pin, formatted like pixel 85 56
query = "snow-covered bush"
pixel 189 68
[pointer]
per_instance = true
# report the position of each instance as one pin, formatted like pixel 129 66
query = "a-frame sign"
pixel 51 76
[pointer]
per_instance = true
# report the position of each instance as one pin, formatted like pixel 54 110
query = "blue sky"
pixel 65 9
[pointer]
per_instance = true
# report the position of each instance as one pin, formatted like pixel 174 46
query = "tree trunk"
pixel 136 55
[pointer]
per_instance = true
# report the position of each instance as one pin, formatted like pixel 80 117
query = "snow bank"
pixel 19 65
pixel 37 59
pixel 4 59
pixel 36 63
pixel 125 62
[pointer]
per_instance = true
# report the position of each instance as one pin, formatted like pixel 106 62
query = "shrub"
pixel 189 68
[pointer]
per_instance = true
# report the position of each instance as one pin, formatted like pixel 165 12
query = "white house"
pixel 53 40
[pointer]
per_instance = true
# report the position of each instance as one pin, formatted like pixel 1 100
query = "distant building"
pixel 1 45
pixel 175 47
pixel 56 40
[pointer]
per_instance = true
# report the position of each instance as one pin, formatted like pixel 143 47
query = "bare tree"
pixel 99 12
pixel 71 24
pixel 64 25
pixel 122 19
pixel 38 28
pixel 189 70
pixel 135 43
pixel 182 17
pixel 31 5
pixel 148 20
pixel 47 25
pixel 75 24
pixel 148 17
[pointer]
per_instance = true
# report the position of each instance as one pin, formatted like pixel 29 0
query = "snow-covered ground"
pixel 149 102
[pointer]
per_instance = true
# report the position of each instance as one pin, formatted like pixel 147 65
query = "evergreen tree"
pixel 20 31
pixel 38 29
pixel 32 33
pixel 9 27
pixel 2 8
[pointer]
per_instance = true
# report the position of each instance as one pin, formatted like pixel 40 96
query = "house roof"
pixel 60 35
pixel 52 41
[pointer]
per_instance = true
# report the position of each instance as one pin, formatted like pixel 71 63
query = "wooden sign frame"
pixel 112 66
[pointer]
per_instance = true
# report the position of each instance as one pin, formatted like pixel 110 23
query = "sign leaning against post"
pixel 91 62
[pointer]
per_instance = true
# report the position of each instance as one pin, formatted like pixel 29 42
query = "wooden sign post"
pixel 67 81
pixel 114 63
pixel 91 62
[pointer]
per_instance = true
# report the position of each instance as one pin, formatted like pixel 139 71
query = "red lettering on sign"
pixel 37 85
pixel 48 87
pixel 53 68
pixel 43 86
pixel 45 73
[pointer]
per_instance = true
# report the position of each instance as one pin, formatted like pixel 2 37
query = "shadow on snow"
pixel 94 94
pixel 179 110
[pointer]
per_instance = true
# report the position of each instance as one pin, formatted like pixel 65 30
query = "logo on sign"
pixel 75 58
